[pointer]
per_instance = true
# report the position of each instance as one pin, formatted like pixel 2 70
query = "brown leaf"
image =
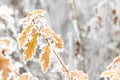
pixel 58 41
pixel 31 47
pixel 45 58
pixel 23 37
pixel 4 65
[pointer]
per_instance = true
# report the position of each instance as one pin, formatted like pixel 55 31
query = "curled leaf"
pixel 45 58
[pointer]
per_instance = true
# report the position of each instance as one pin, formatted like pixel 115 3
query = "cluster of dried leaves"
pixel 36 30
pixel 113 72
pixel 7 72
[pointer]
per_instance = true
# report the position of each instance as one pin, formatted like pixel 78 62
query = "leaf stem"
pixel 60 61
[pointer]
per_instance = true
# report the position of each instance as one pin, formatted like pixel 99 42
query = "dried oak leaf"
pixel 78 75
pixel 45 58
pixel 58 41
pixel 31 47
pixel 4 66
pixel 23 37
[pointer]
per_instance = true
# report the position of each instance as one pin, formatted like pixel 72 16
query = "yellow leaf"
pixel 78 75
pixel 45 58
pixel 4 65
pixel 58 41
pixel 30 47
pixel 22 38
pixel 108 73
pixel 38 12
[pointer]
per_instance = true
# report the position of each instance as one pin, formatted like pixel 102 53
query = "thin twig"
pixel 17 73
pixel 60 61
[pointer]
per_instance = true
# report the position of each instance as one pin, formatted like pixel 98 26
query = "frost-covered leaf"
pixel 58 41
pixel 6 12
pixel 113 70
pixel 4 66
pixel 5 41
pixel 67 76
pixel 24 36
pixel 78 75
pixel 6 45
pixel 107 73
pixel 31 47
pixel 5 73
pixel 115 78
pixel 45 58
pixel 23 77
pixel 116 60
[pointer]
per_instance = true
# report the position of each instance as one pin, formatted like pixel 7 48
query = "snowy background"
pixel 90 30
